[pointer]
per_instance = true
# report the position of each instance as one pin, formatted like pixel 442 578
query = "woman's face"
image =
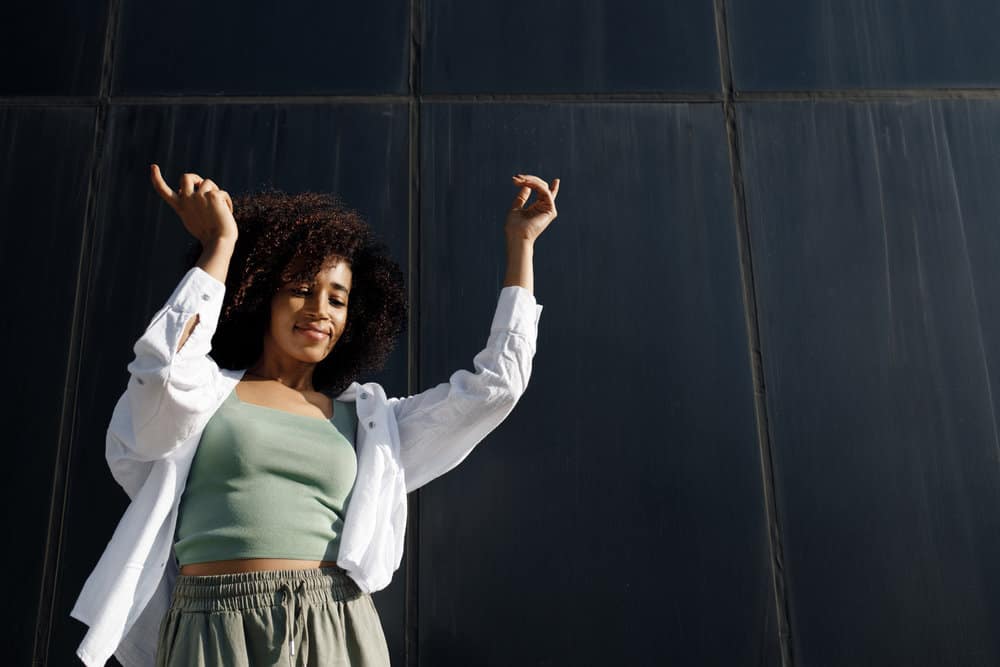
pixel 298 307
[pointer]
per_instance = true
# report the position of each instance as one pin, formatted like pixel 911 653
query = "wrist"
pixel 218 243
pixel 215 257
pixel 519 243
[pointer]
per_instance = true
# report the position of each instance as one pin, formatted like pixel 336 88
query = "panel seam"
pixel 843 94
pixel 411 648
pixel 61 478
pixel 775 541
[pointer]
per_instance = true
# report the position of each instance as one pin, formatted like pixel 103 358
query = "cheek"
pixel 282 325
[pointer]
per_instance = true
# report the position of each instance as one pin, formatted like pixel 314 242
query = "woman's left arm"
pixel 438 428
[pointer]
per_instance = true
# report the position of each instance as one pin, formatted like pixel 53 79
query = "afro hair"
pixel 290 237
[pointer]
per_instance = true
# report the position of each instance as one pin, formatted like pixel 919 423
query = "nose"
pixel 321 306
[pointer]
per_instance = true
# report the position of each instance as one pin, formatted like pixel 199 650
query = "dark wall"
pixel 761 427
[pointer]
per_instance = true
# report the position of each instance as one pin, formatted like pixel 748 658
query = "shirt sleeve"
pixel 168 390
pixel 438 428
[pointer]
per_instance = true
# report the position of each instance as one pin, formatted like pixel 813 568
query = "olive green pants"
pixel 308 617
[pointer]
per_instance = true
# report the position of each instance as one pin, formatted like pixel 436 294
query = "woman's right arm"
pixel 214 261
pixel 172 377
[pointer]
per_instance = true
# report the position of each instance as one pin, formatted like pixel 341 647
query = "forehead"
pixel 335 272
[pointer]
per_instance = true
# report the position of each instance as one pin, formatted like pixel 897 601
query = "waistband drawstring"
pixel 291 614
pixel 293 590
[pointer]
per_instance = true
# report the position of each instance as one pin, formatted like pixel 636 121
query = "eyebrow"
pixel 335 285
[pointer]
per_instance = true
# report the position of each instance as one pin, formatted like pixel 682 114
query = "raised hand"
pixel 205 210
pixel 527 223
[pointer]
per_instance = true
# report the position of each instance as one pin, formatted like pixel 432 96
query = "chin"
pixel 313 355
pixel 305 354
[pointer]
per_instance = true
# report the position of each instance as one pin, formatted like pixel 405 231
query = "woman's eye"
pixel 305 291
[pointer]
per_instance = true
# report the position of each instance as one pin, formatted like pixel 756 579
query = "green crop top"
pixel 266 483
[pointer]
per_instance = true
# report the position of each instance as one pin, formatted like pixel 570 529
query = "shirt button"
pixel 140 381
pixel 364 395
pixel 205 297
pixel 371 424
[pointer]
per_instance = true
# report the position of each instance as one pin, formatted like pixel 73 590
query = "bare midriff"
pixel 251 565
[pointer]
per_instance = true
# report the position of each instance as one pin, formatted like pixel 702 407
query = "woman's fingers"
pixel 207 185
pixel 161 187
pixel 541 187
pixel 536 183
pixel 530 181
pixel 521 198
pixel 189 183
pixel 205 209
pixel 527 183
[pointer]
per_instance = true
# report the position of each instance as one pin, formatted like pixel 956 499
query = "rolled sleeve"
pixel 167 390
pixel 517 312
pixel 439 427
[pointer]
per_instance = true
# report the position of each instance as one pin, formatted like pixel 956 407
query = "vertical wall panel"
pixel 52 48
pixel 876 239
pixel 358 151
pixel 566 46
pixel 823 44
pixel 617 514
pixel 261 48
pixel 44 177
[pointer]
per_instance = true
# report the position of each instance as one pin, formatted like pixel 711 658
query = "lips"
pixel 313 332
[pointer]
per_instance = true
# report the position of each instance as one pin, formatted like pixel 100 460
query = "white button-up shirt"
pixel 156 425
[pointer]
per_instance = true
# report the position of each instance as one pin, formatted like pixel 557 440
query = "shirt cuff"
pixel 199 292
pixel 517 311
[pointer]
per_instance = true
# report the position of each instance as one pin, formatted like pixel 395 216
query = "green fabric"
pixel 266 483
pixel 314 618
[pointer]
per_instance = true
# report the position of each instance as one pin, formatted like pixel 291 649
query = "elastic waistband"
pixel 247 590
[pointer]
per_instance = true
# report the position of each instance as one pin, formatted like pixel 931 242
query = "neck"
pixel 303 383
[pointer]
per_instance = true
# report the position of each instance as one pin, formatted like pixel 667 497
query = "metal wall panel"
pixel 617 513
pixel 358 151
pixel 43 195
pixel 875 239
pixel 52 48
pixel 262 48
pixel 835 44
pixel 566 46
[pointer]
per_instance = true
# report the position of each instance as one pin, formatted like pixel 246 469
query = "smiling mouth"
pixel 312 333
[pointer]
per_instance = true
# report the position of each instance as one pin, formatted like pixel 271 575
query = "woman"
pixel 263 511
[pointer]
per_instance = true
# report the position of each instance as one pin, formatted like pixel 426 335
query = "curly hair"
pixel 279 231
